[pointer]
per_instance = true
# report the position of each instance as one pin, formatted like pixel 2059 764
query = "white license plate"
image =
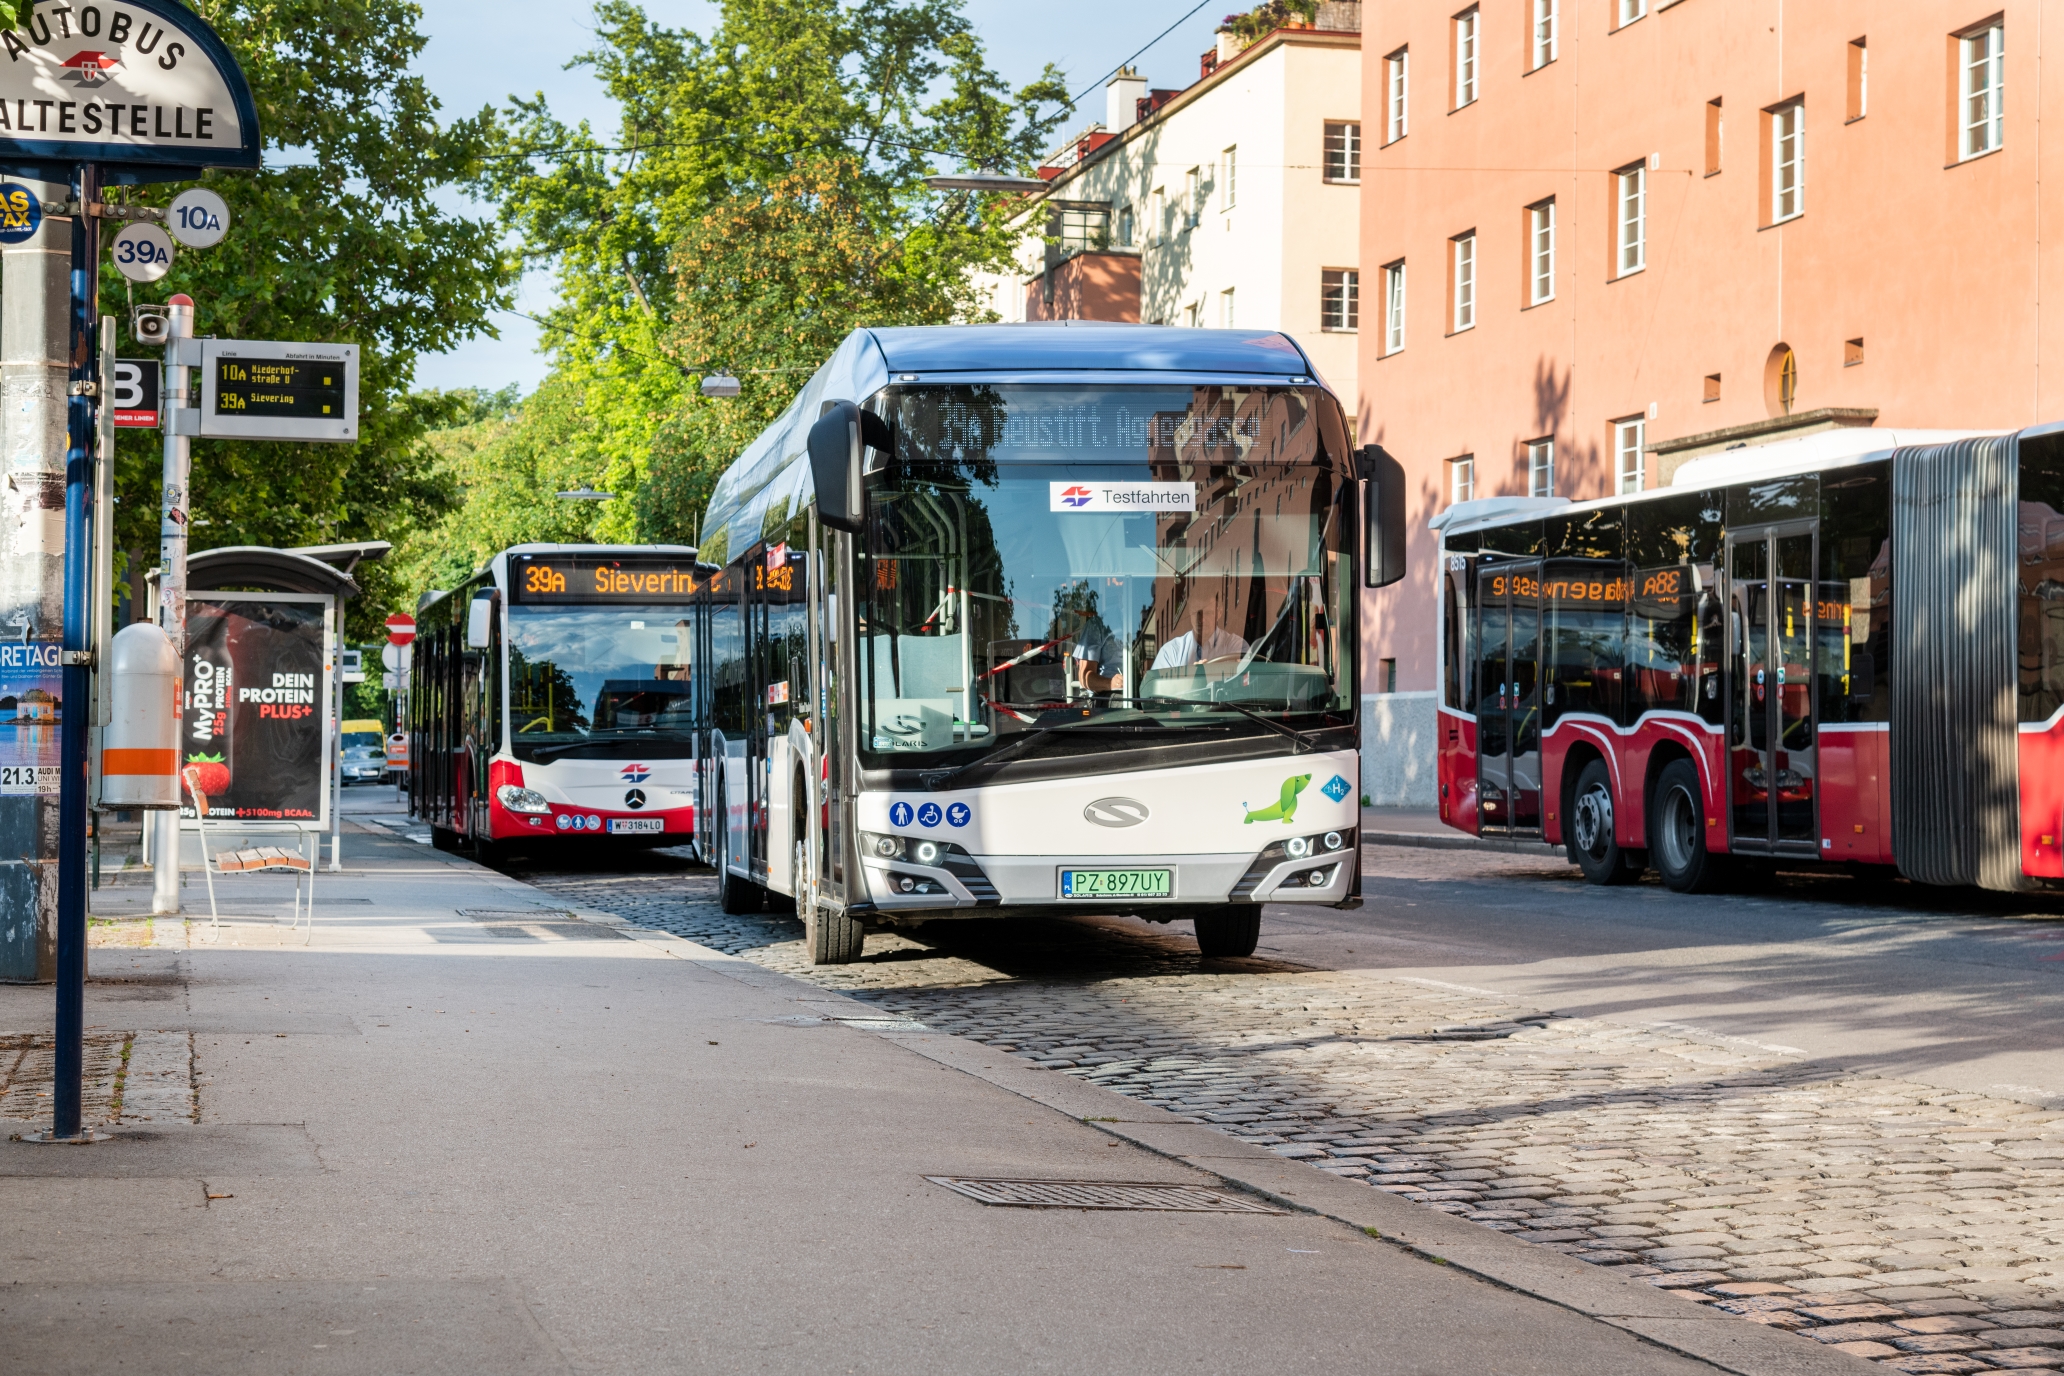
pixel 636 826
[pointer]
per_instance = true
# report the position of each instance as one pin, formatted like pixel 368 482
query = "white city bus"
pixel 1024 619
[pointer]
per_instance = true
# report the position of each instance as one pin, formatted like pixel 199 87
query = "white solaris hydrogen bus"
pixel 1004 620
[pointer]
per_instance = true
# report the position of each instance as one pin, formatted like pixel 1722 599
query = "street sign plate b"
pixel 134 396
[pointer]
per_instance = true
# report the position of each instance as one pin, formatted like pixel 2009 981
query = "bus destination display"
pixel 269 389
pixel 573 578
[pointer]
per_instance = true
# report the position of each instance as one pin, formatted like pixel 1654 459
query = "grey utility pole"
pixel 35 347
pixel 179 422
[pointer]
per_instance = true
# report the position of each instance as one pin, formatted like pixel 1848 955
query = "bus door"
pixel 1772 762
pixel 1508 695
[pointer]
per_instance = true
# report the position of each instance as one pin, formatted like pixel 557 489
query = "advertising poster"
pixel 253 704
pixel 31 688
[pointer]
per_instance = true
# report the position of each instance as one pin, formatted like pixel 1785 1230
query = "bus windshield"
pixel 1148 558
pixel 587 676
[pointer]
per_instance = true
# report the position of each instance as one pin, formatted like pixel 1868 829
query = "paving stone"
pixel 1864 1348
pixel 1849 1332
pixel 2024 1337
pixel 1941 1342
pixel 1943 1323
pixel 2024 1358
pixel 1954 1364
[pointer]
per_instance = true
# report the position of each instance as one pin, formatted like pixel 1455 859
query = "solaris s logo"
pixel 1116 812
pixel 1076 495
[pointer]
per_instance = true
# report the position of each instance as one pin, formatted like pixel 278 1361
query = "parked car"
pixel 363 753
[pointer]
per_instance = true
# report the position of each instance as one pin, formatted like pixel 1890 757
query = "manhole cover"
pixel 1100 1194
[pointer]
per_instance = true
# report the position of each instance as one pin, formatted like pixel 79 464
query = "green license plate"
pixel 1117 883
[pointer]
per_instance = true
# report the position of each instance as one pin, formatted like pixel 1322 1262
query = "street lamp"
pixel 720 384
pixel 584 493
pixel 983 179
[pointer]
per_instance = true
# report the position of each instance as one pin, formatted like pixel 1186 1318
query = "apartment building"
pixel 1233 202
pixel 1602 238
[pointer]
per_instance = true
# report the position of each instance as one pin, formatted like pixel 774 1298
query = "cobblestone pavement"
pixel 1908 1224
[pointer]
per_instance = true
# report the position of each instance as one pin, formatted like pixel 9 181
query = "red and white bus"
pixel 1844 648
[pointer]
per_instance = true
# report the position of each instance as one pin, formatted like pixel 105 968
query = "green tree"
pixel 341 238
pixel 764 197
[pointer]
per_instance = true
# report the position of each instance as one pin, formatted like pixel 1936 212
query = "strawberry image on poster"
pixel 207 773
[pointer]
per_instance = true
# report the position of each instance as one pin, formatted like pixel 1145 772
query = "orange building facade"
pixel 1600 237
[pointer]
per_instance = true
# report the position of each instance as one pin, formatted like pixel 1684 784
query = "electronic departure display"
pixel 587 579
pixel 280 387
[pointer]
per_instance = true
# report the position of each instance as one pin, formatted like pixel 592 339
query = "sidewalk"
pixel 464 1129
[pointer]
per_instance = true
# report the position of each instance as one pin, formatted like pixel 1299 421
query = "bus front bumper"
pixel 983 882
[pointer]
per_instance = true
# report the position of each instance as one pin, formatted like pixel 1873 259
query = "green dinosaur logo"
pixel 1284 807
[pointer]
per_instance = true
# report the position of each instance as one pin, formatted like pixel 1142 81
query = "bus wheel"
pixel 1592 845
pixel 832 938
pixel 1677 833
pixel 1228 931
pixel 444 840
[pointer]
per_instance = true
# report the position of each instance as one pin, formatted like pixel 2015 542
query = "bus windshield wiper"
pixel 1033 734
pixel 1303 738
pixel 615 737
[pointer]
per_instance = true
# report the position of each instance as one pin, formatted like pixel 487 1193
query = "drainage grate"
pixel 1100 1194
pixel 518 914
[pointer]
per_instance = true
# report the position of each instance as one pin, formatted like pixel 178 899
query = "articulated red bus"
pixel 1845 648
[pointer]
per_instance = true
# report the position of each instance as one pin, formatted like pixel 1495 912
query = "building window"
pixel 1340 306
pixel 1159 225
pixel 1397 82
pixel 1225 309
pixel 1386 673
pixel 1541 253
pixel 1544 33
pixel 1193 196
pixel 1343 151
pixel 1627 456
pixel 1082 229
pixel 1540 468
pixel 1393 308
pixel 1125 227
pixel 1464 314
pixel 1465 58
pixel 1232 179
pixel 1852 352
pixel 1859 79
pixel 1984 67
pixel 1715 131
pixel 1462 478
pixel 1788 161
pixel 1712 387
pixel 1631 10
pixel 1788 381
pixel 1633 218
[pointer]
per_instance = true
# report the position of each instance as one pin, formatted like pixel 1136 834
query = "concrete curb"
pixel 1417 840
pixel 1724 1341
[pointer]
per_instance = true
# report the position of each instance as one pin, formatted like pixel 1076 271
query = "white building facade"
pixel 1233 203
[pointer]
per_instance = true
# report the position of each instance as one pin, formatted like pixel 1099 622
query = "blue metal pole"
pixel 70 1060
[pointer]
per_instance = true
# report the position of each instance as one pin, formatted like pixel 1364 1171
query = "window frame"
pixel 1350 153
pixel 1859 78
pixel 1229 163
pixel 1630 232
pixel 1540 225
pixel 1397 95
pixel 1992 96
pixel 1629 11
pixel 1540 461
pixel 1225 308
pixel 1467 32
pixel 1462 282
pixel 1544 43
pixel 1347 282
pixel 1787 122
pixel 1193 197
pixel 1395 300
pixel 1637 427
pixel 1461 479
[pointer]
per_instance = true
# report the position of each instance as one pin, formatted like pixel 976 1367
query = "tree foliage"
pixel 341 238
pixel 764 196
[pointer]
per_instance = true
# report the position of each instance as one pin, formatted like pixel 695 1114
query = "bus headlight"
pixel 1298 847
pixel 517 798
pixel 1333 841
pixel 888 847
pixel 925 852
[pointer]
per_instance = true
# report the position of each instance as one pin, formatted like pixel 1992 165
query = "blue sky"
pixel 479 54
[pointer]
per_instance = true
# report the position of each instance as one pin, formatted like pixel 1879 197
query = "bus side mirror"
pixel 836 444
pixel 479 623
pixel 1383 517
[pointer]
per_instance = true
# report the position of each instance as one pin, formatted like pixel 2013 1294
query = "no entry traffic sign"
pixel 401 629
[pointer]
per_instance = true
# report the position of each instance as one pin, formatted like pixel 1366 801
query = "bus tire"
pixel 1229 931
pixel 444 840
pixel 833 938
pixel 1591 841
pixel 1677 833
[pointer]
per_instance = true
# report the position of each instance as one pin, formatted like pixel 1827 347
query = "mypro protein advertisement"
pixel 253 704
